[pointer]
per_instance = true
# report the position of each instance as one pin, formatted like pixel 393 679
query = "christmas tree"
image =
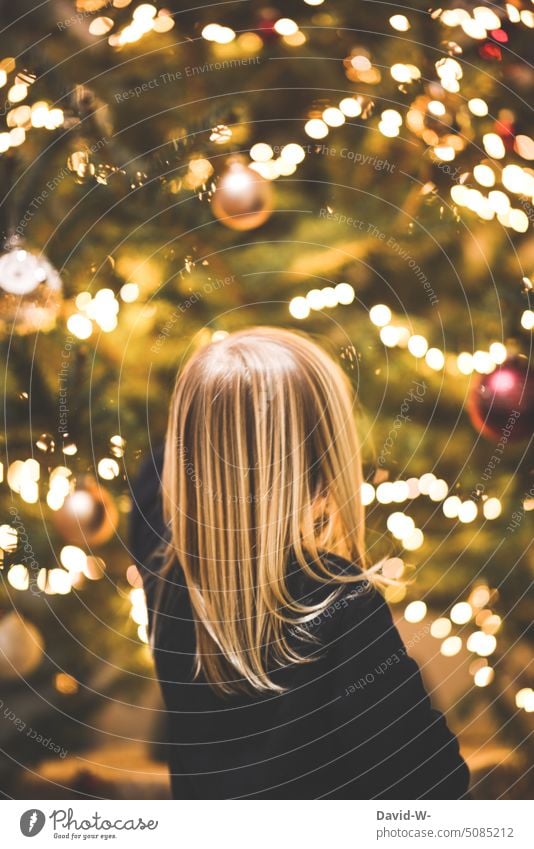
pixel 354 170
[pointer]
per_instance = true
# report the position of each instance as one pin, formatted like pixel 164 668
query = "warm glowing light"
pixel 293 153
pixel 451 646
pixel 367 494
pixel 80 326
pixel 17 136
pixel 481 643
pixel 129 292
pixel 478 107
pixel 380 315
pixel 480 596
pixel 454 17
pixel 390 131
pixel 285 26
pixel 100 26
pixel 413 540
pixel 351 107
pixel 393 568
pixel 498 352
pixel 400 23
pixel 473 28
pixel 18 576
pixel 384 492
pixel 144 12
pixel 518 220
pixel 484 175
pixel 486 17
pixel 435 359
pixel 344 293
pixel 59 581
pixel 316 128
pixel 315 299
pixel 492 508
pixel 513 179
pixel 390 335
pixel 441 628
pixel 493 145
pixel 163 22
pixel 451 507
pixel 415 611
pixel 491 624
pixel 417 346
pixel 445 152
pixel 8 538
pixel 401 73
pixel 438 490
pixel 17 92
pixel 361 63
pixel 108 468
pixel 425 482
pixel 522 695
pixel 437 108
pixel 299 307
pixel 73 558
pixel 391 116
pixel 527 320
pixel 333 116
pixel 29 491
pixel 483 362
pixel 467 511
pixel 461 613
pixel 400 525
pixel 524 146
pixel 261 152
pixel 484 676
pixel 329 297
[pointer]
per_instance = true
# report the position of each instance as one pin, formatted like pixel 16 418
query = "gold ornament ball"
pixel 243 199
pixel 30 292
pixel 88 515
pixel 21 646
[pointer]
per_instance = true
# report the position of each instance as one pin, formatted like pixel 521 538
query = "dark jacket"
pixel 355 723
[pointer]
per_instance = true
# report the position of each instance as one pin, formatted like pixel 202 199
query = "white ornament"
pixel 30 291
pixel 21 272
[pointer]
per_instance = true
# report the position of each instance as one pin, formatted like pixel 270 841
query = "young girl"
pixel 281 670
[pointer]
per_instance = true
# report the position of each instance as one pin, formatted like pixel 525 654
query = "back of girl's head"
pixel 262 471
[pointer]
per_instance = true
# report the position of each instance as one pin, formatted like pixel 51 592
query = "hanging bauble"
pixel 243 199
pixel 267 18
pixel 88 515
pixel 30 291
pixel 501 404
pixel 21 646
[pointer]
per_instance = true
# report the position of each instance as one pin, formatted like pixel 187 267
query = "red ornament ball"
pixel 243 199
pixel 501 404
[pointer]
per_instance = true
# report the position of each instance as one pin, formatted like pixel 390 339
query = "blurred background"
pixel 360 171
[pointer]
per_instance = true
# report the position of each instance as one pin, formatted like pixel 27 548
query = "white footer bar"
pixel 267 825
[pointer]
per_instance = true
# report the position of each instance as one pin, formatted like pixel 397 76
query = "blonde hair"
pixel 262 469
